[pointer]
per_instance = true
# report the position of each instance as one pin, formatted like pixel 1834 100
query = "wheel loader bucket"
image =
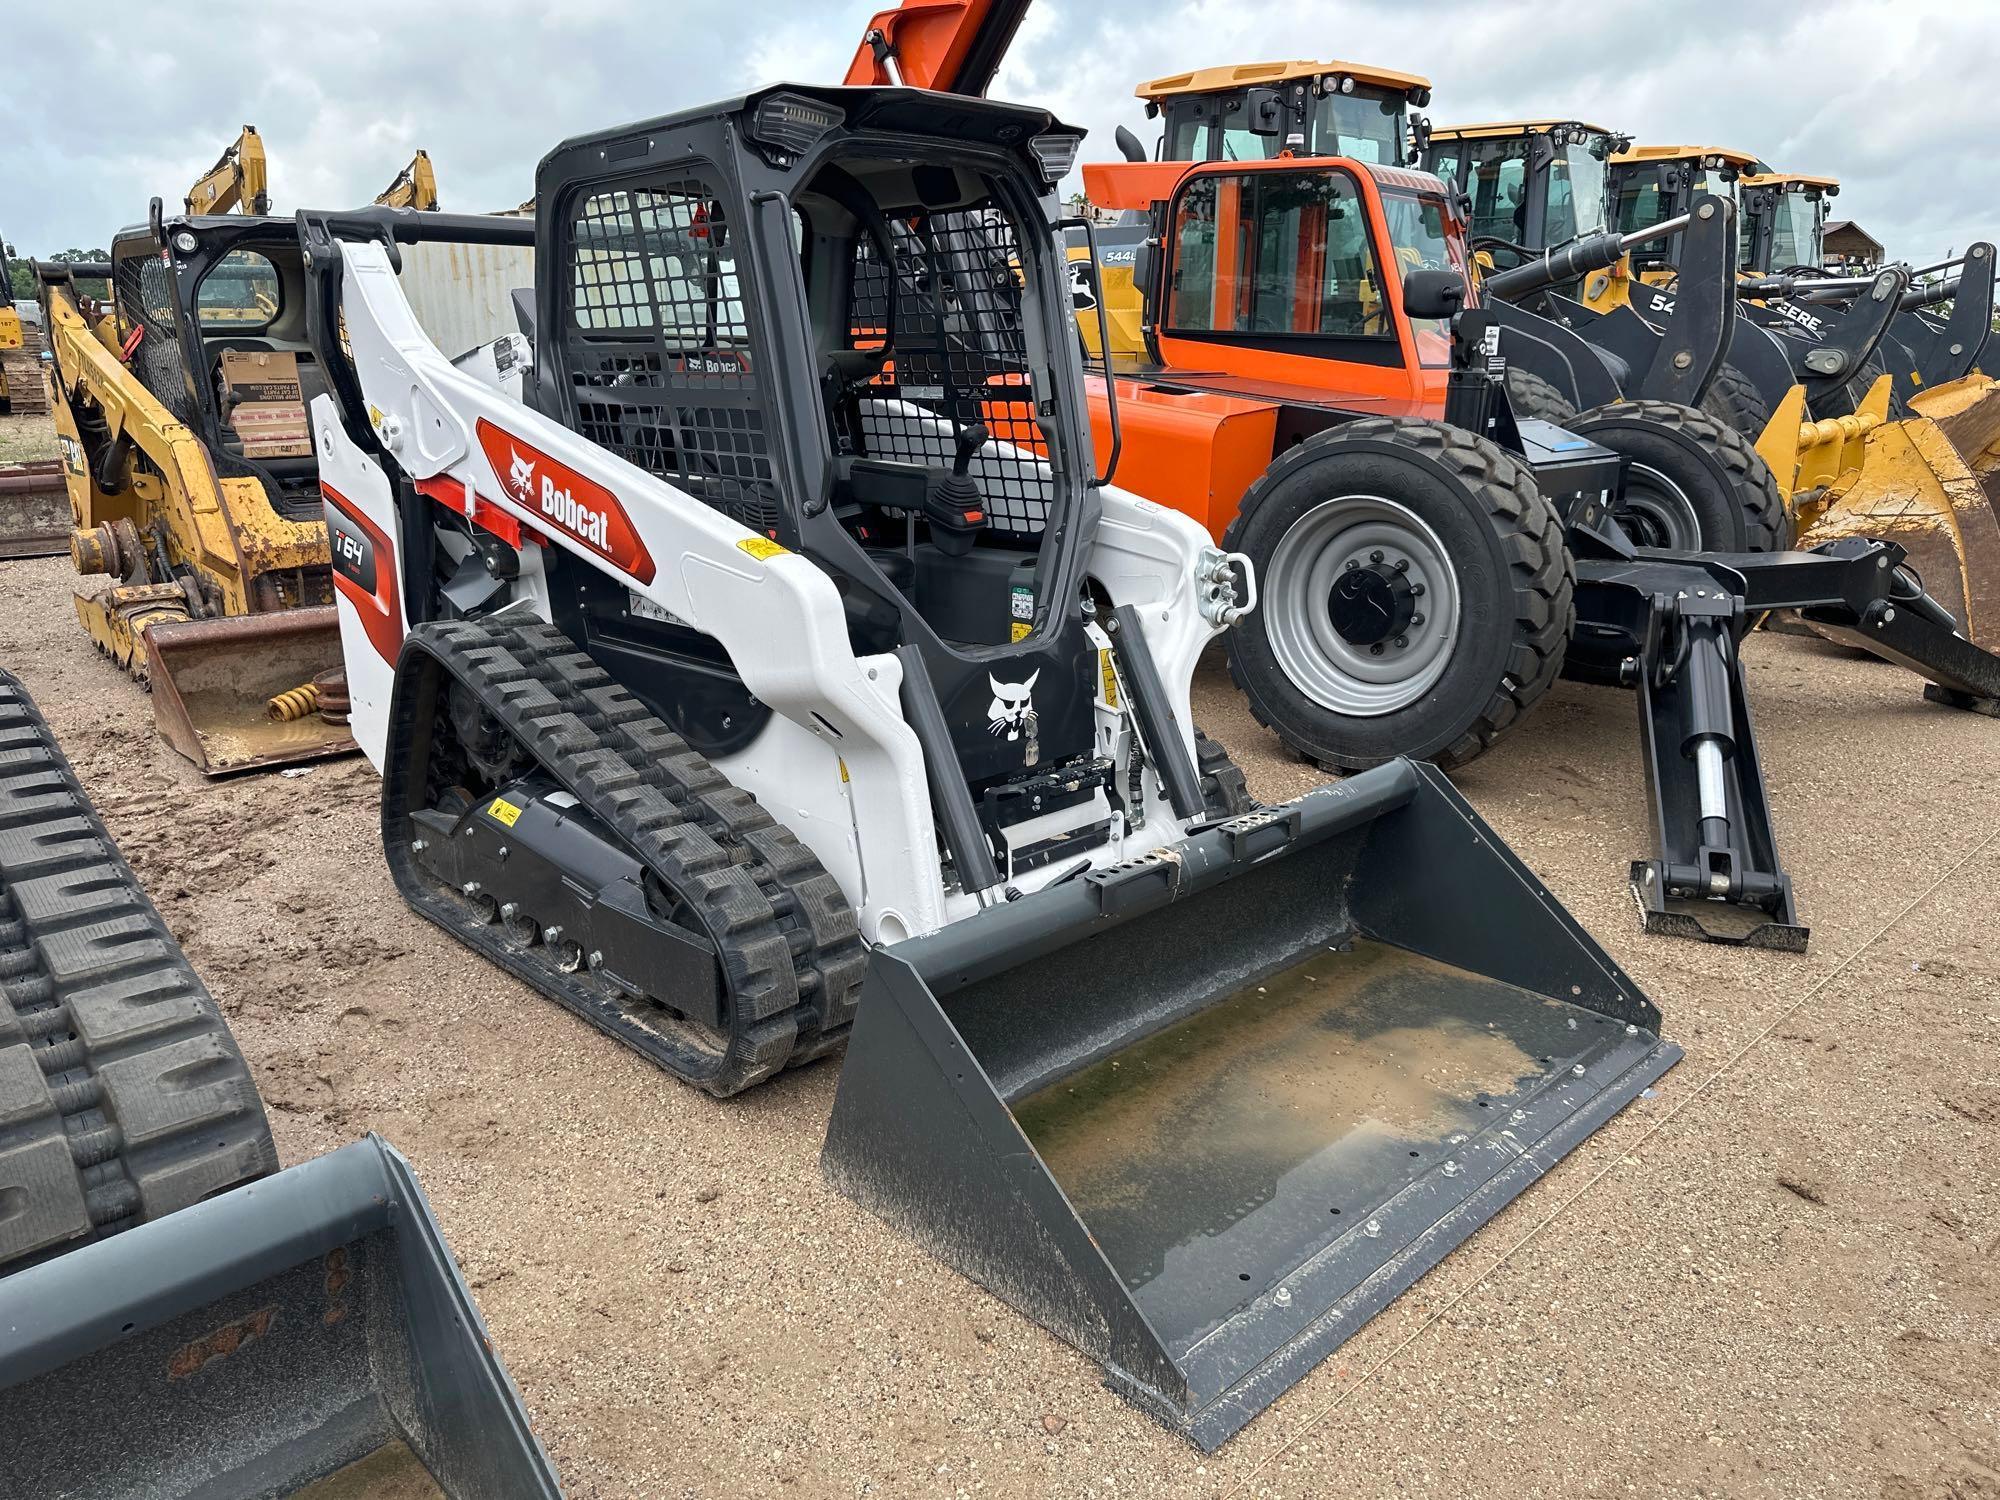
pixel 1204 1114
pixel 306 1336
pixel 34 510
pixel 215 683
pixel 1927 482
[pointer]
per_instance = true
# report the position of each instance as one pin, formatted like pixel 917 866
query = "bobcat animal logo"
pixel 1013 707
pixel 521 476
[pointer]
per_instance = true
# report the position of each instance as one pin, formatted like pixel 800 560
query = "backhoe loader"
pixel 774 671
pixel 1924 477
pixel 177 1316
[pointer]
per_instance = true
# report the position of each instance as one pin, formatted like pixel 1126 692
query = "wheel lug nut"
pixel 1402 565
pixel 1401 641
pixel 1416 619
pixel 1375 557
pixel 1352 565
pixel 1376 649
pixel 1416 591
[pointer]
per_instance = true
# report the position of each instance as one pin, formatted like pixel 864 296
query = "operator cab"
pixel 226 284
pixel 1257 111
pixel 1532 184
pixel 1651 184
pixel 1784 228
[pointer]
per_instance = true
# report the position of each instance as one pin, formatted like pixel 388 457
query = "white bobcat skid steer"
pixel 775 669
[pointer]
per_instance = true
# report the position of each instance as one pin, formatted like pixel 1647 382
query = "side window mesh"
pixel 959 357
pixel 661 360
pixel 143 291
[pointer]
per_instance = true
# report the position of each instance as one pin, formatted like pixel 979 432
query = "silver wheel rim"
pixel 1331 670
pixel 1656 512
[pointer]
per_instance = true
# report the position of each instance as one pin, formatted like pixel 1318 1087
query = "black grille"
pixel 145 299
pixel 959 357
pixel 661 362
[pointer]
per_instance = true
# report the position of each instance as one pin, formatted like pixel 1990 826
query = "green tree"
pixel 23 279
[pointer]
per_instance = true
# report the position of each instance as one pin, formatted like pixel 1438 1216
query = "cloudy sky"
pixel 1901 101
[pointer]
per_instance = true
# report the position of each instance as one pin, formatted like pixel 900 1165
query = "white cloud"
pixel 1897 100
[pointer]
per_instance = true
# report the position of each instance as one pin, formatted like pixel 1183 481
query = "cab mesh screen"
pixel 662 364
pixel 959 356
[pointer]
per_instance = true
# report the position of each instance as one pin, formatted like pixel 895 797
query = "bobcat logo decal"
pixel 521 476
pixel 1012 711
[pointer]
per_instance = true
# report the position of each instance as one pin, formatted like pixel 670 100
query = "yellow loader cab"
pixel 1246 112
pixel 1784 220
pixel 1651 184
pixel 1532 183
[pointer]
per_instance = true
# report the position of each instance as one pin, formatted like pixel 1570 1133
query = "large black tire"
pixel 1532 396
pixel 1695 483
pixel 122 1094
pixel 1512 590
pixel 1733 399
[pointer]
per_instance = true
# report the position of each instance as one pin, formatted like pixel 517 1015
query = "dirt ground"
pixel 1779 1276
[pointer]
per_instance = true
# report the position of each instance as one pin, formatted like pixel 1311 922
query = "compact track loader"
pixel 774 672
pixel 22 390
pixel 178 1317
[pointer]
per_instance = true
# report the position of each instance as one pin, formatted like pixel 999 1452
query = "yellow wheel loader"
pixel 1925 475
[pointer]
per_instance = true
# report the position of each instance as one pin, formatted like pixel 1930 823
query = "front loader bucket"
pixel 214 681
pixel 1204 1114
pixel 34 510
pixel 1929 484
pixel 308 1335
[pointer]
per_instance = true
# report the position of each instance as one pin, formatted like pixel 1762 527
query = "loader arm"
pixel 237 182
pixel 93 383
pixel 952 46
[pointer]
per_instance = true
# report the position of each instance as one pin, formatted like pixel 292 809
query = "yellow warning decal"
pixel 503 810
pixel 1109 674
pixel 374 415
pixel 1022 630
pixel 761 547
pixel 843 769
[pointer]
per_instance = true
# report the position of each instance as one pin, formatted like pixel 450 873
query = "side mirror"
pixel 1433 294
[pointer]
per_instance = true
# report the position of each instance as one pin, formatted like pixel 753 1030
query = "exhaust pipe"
pixel 1205 1114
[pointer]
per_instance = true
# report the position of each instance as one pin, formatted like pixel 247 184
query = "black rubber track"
pixel 1542 577
pixel 1734 399
pixel 123 1096
pixel 791 952
pixel 1735 464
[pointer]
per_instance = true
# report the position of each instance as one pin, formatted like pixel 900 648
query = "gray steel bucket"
pixel 1203 1115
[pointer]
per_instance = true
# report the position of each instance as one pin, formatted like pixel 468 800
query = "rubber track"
pixel 1531 537
pixel 123 1096
pixel 792 951
pixel 1764 524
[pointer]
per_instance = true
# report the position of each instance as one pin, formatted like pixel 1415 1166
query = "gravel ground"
pixel 1778 1277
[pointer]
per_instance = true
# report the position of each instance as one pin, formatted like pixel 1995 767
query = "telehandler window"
pixel 661 352
pixel 1276 253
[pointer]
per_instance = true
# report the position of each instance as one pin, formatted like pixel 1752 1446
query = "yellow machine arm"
pixel 237 182
pixel 415 186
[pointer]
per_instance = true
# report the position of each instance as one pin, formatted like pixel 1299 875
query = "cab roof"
pixel 1509 127
pixel 1827 185
pixel 1680 153
pixel 1224 79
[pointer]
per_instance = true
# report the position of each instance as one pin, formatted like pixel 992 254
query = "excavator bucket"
pixel 305 1336
pixel 246 691
pixel 34 510
pixel 1927 482
pixel 1204 1114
